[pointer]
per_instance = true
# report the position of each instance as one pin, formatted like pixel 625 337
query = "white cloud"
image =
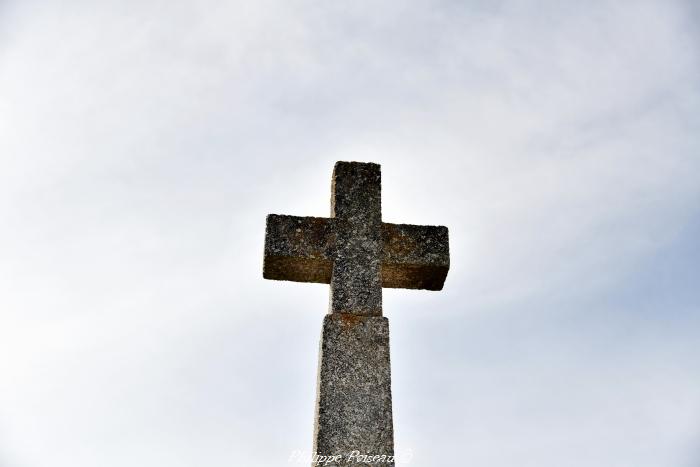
pixel 144 144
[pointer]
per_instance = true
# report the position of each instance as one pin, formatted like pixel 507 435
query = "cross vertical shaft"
pixel 356 207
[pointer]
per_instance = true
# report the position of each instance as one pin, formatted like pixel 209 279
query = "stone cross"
pixel 357 254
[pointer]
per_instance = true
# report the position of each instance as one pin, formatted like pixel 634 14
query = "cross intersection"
pixel 353 250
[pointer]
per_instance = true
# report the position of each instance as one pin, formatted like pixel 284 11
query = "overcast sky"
pixel 143 143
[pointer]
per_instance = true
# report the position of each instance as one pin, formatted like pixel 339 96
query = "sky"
pixel 143 144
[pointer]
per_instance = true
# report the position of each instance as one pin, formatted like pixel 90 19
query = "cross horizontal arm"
pixel 414 256
pixel 298 248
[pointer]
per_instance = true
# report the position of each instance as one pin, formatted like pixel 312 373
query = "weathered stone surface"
pixel 354 389
pixel 354 250
pixel 414 256
pixel 357 254
pixel 356 207
pixel 299 248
